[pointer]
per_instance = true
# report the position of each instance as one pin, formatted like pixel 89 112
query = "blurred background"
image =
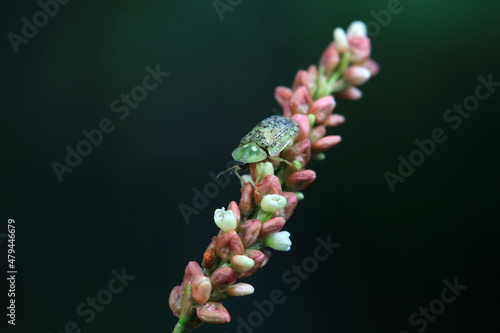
pixel 118 208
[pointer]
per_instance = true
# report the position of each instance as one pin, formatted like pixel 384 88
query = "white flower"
pixel 279 241
pixel 225 220
pixel 357 28
pixel 340 39
pixel 273 202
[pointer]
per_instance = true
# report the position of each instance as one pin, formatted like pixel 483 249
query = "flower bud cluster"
pixel 271 191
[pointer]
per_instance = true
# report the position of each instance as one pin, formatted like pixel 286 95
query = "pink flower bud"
pixel 300 148
pixel 258 257
pixel 267 256
pixel 269 185
pixel 242 263
pixel 291 203
pixel 273 225
pixel 351 93
pixel 222 278
pixel 201 289
pixel 299 103
pixel 236 245
pixel 330 58
pixel 223 247
pixel 323 108
pixel 357 75
pixel 360 48
pixel 304 126
pixel 192 270
pixel 326 143
pixel 334 120
pixel 317 133
pixel 175 301
pixel 240 289
pixel 372 66
pixel 246 201
pixel 300 180
pixel 283 95
pixel 233 206
pixel 250 233
pixel 302 79
pixel 213 313
pixel 313 72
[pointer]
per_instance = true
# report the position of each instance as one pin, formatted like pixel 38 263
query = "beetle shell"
pixel 272 134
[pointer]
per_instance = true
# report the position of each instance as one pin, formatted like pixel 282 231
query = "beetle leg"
pixel 276 158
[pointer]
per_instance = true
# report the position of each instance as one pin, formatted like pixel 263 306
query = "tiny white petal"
pixel 357 28
pixel 225 219
pixel 279 241
pixel 273 202
pixel 340 38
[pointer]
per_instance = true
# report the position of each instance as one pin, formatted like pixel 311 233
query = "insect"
pixel 267 139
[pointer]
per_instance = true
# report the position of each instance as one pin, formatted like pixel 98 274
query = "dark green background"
pixel 119 208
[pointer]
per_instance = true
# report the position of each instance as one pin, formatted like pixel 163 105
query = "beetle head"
pixel 249 153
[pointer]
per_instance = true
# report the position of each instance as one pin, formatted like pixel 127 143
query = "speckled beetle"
pixel 267 139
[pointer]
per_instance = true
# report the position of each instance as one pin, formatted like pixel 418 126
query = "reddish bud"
pixel 246 200
pixel 269 185
pixel 192 270
pixel 250 233
pixel 323 108
pixel 313 72
pixel 222 278
pixel 330 58
pixel 291 203
pixel 236 245
pixel 222 246
pixel 351 93
pixel 300 180
pixel 334 120
pixel 175 301
pixel 299 103
pixel 267 256
pixel 357 75
pixel 326 143
pixel 360 47
pixel 240 289
pixel 372 66
pixel 283 95
pixel 213 313
pixel 201 289
pixel 302 79
pixel 304 126
pixel 317 133
pixel 233 206
pixel 300 149
pixel 258 257
pixel 271 226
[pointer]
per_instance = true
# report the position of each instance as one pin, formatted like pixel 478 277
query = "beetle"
pixel 267 139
